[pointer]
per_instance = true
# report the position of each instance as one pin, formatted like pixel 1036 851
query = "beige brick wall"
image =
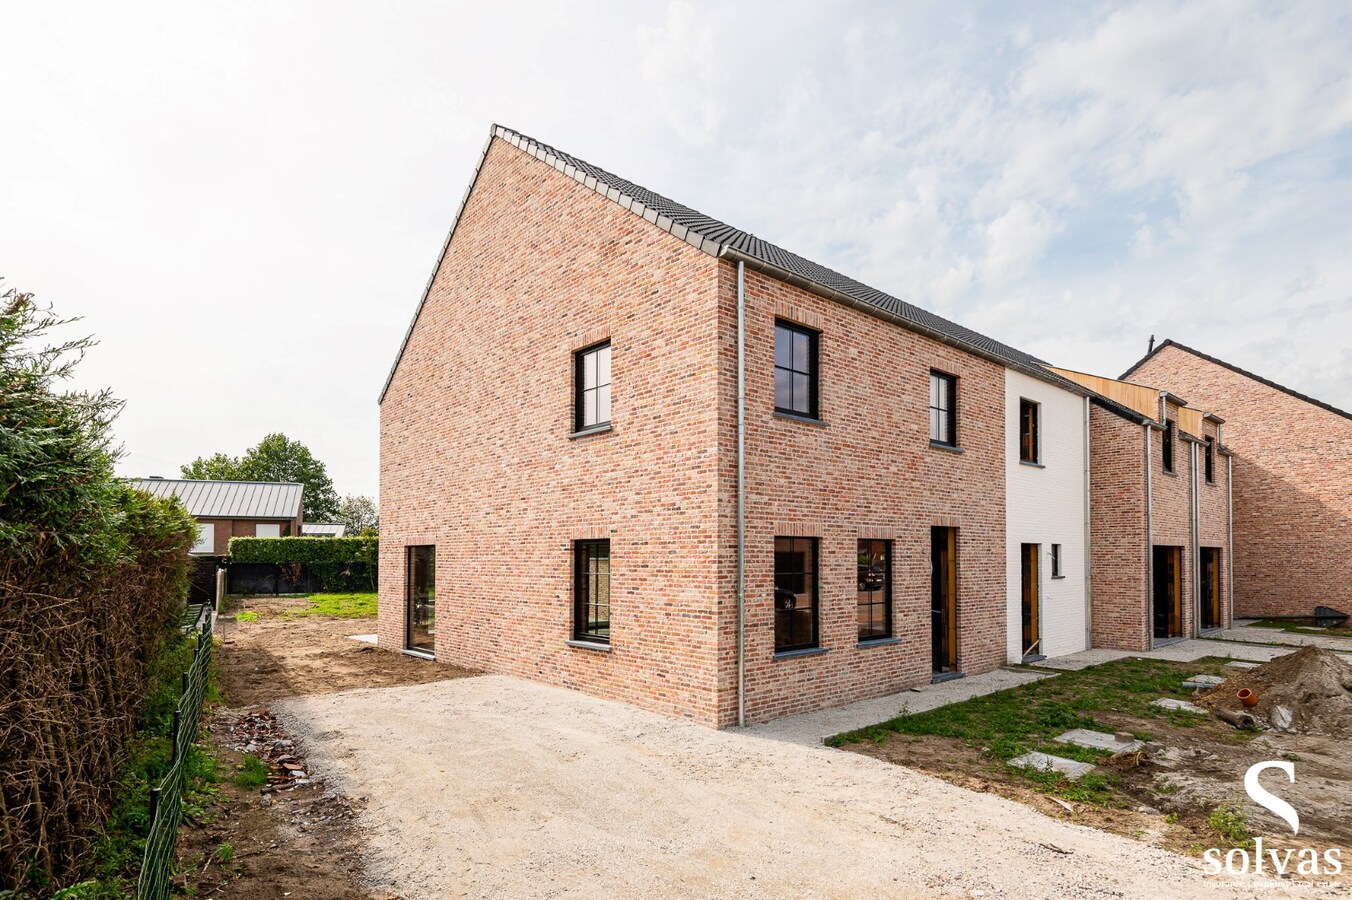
pixel 1293 485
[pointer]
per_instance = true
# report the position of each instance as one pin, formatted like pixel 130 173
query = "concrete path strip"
pixel 496 787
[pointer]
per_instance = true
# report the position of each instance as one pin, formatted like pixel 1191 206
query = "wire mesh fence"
pixel 166 801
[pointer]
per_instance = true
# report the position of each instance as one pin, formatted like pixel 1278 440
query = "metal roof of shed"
pixel 323 529
pixel 230 499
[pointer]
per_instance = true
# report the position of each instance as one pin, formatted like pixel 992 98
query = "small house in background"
pixel 226 509
pixel 323 529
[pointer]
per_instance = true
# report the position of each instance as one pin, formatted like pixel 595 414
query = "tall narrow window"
pixel 875 590
pixel 591 591
pixel 795 370
pixel 943 409
pixel 1029 425
pixel 591 380
pixel 1168 445
pixel 795 593
pixel 1056 560
pixel 1210 461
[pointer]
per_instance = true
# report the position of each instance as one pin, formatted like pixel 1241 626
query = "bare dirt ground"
pixel 296 841
pixel 493 786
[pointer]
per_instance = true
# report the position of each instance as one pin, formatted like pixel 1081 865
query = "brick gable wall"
pixel 1292 490
pixel 476 458
pixel 1119 557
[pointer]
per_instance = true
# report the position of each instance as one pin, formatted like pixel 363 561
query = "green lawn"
pixel 1010 723
pixel 1305 627
pixel 339 606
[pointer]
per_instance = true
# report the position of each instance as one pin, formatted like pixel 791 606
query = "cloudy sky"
pixel 244 200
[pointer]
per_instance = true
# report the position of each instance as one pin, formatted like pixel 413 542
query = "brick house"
pixel 1160 516
pixel 629 449
pixel 226 509
pixel 1293 482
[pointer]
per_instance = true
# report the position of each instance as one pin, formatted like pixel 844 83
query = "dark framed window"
pixel 591 386
pixel 795 370
pixel 1030 424
pixel 875 590
pixel 1168 446
pixel 1056 560
pixel 591 591
pixel 943 409
pixel 1210 461
pixel 795 593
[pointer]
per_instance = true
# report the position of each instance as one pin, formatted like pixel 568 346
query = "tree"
pixel 276 458
pixel 360 514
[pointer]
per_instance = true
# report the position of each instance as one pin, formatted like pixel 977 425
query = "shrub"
pixel 305 550
pixel 93 577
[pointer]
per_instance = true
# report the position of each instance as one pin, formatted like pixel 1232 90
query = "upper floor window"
pixel 874 591
pixel 591 591
pixel 1029 426
pixel 591 380
pixel 795 593
pixel 1168 445
pixel 1210 461
pixel 943 409
pixel 795 370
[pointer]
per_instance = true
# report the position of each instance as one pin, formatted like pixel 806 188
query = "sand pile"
pixel 1309 691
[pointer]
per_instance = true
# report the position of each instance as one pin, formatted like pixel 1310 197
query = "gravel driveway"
pixel 496 787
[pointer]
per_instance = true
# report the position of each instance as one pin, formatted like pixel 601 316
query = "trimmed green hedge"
pixel 305 550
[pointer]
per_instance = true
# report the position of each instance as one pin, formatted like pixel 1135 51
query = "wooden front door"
pixel 1028 567
pixel 1211 587
pixel 944 598
pixel 1167 614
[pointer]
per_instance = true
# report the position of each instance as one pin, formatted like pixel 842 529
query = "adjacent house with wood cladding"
pixel 1292 482
pixel 630 449
pixel 1160 495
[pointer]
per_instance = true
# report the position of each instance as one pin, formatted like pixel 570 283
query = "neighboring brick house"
pixel 560 462
pixel 226 509
pixel 1160 516
pixel 1293 482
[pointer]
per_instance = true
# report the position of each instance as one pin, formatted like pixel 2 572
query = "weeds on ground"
pixel 246 617
pixel 1230 823
pixel 225 852
pixel 251 773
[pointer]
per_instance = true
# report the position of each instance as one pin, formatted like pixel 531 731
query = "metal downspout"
pixel 741 494
pixel 1149 548
pixel 1196 549
pixel 1230 529
pixel 1088 555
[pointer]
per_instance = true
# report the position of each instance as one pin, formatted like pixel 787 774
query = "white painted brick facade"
pixel 1046 506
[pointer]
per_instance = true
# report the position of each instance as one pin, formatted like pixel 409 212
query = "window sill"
pixel 950 448
pixel 878 642
pixel 1058 577
pixel 1032 465
pixel 795 417
pixel 1169 473
pixel 595 429
pixel 806 651
pixel 419 654
pixel 589 645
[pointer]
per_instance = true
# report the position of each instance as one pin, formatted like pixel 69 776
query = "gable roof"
pixel 724 241
pixel 1238 371
pixel 323 529
pixel 229 499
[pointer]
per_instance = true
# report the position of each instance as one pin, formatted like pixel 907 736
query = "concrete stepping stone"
pixel 1097 740
pixel 1047 763
pixel 1241 664
pixel 1202 682
pixel 1180 705
pixel 364 638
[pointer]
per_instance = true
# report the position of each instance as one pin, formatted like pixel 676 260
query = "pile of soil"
pixel 1313 685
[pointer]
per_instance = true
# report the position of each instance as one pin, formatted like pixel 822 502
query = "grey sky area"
pixel 244 200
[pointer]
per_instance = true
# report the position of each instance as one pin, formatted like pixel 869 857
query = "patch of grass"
pixel 1305 627
pixel 1009 723
pixel 251 773
pixel 225 852
pixel 340 606
pixel 246 617
pixel 1230 823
